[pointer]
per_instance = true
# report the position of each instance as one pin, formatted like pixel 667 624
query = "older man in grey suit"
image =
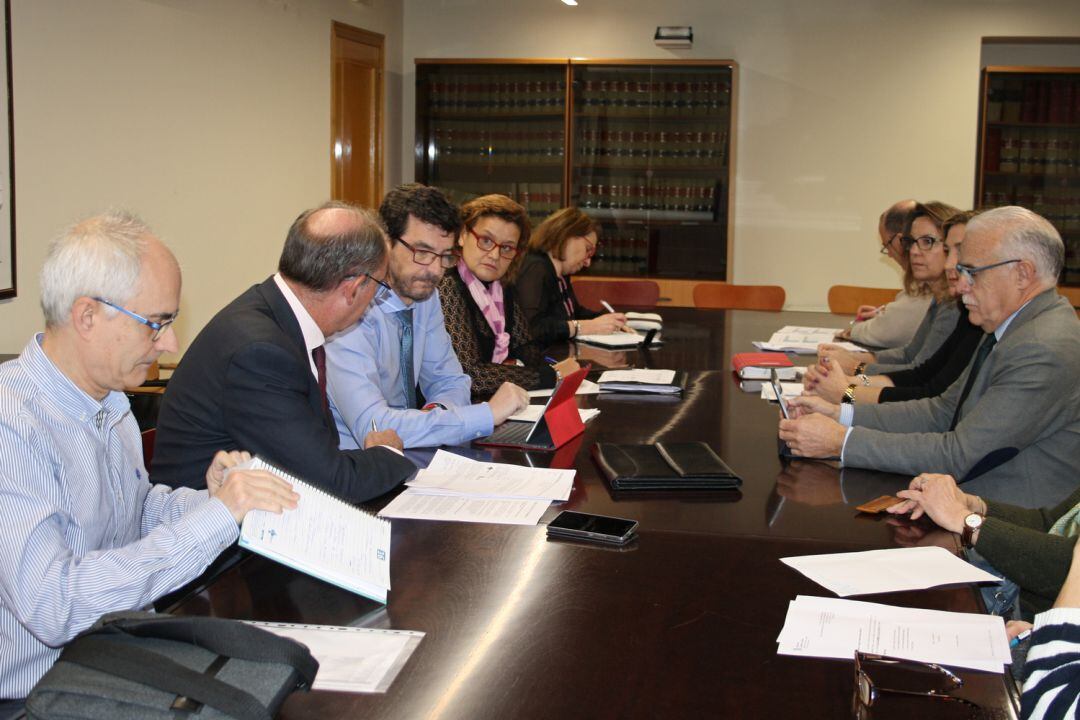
pixel 1009 427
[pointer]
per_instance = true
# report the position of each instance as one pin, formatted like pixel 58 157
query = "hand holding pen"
pixel 620 318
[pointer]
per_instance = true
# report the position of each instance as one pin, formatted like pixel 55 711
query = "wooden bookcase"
pixel 1029 148
pixel 645 146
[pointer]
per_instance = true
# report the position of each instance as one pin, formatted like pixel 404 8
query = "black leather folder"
pixel 664 466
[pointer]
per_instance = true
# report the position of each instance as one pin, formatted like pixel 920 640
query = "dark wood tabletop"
pixel 680 624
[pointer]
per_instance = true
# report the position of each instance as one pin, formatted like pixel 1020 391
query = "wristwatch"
pixel 972 522
pixel 849 395
pixel 865 379
pixel 577 328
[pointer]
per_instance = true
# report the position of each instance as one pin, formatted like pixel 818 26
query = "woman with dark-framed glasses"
pixel 923 241
pixel 559 247
pixel 487 325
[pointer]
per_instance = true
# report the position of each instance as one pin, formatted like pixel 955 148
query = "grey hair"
pixel 1026 235
pixel 320 262
pixel 97 257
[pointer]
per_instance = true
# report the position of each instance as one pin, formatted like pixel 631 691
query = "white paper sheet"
pixel 802 340
pixel 879 571
pixel 790 390
pixel 533 412
pixel 587 387
pixel 836 628
pixel 360 660
pixel 638 375
pixel 456 508
pixel 450 474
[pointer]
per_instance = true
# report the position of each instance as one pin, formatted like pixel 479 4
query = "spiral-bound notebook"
pixel 324 537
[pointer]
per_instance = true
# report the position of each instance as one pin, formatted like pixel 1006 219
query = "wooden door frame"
pixel 340 31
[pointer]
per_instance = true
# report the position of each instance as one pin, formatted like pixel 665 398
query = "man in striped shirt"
pixel 84 531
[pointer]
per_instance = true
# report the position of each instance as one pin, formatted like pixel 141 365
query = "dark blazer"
pixel 246 384
pixel 934 375
pixel 474 341
pixel 537 288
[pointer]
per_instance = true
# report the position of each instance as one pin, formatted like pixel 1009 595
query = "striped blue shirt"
pixel 83 531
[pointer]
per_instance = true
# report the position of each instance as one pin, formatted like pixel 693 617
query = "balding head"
pixel 897 216
pixel 329 243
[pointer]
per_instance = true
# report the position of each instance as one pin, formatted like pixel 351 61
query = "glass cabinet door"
pixel 1030 149
pixel 493 128
pixel 651 162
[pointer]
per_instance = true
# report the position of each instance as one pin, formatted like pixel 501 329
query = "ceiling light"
pixel 570 2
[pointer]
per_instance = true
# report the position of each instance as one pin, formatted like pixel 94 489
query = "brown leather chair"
pixel 1072 294
pixel 739 297
pixel 148 446
pixel 846 299
pixel 617 293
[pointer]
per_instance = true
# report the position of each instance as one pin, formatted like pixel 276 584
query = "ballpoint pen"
pixel 1019 638
pixel 374 427
pixel 607 306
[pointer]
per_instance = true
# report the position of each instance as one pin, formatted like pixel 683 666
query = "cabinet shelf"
pixel 651 108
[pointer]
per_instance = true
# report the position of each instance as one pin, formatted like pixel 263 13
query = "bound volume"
pixel 664 466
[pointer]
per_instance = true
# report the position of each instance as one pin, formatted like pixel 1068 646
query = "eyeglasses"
pixel 427 257
pixel 968 273
pixel 485 244
pixel 925 242
pixel 887 245
pixel 384 290
pixel 590 248
pixel 907 677
pixel 157 327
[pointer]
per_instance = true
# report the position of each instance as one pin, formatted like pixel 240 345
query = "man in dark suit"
pixel 255 377
pixel 1009 427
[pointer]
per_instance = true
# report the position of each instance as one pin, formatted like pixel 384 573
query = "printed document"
pixel 360 660
pixel 802 340
pixel 533 413
pixel 881 571
pixel 451 474
pixel 587 387
pixel 836 628
pixel 459 508
pixel 790 390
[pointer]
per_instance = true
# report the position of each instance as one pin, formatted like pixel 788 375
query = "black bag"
pixel 146 665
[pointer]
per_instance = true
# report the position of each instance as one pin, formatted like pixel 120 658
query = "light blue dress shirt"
pixel 83 532
pixel 364 380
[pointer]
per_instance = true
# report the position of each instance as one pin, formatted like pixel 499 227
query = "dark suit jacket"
pixel 537 289
pixel 246 384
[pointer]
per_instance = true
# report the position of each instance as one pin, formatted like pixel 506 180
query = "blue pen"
pixel 1019 638
pixel 550 360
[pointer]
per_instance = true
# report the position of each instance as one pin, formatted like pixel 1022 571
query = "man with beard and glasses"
pixel 396 369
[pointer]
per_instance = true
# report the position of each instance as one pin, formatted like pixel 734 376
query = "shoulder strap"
pixel 157 671
pixel 231 638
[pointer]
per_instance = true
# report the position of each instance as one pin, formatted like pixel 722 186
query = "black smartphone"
pixel 594 528
pixel 779 390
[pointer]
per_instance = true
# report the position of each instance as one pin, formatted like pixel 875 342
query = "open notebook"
pixel 324 537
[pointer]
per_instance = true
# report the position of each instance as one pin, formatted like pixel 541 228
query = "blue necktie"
pixel 407 381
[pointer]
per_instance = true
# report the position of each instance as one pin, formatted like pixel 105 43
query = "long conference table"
pixel 680 624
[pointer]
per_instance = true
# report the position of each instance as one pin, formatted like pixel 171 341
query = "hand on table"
pixel 605 325
pixel 848 360
pixel 939 497
pixel 813 436
pixel 389 438
pixel 827 380
pixel 508 400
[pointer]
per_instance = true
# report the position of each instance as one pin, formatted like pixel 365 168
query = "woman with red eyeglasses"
pixel 561 245
pixel 487 326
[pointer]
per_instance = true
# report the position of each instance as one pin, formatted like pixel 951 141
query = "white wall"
pixel 844 105
pixel 210 118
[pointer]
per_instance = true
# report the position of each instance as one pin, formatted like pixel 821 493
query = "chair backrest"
pixel 148 437
pixel 846 299
pixel 1072 294
pixel 739 297
pixel 636 293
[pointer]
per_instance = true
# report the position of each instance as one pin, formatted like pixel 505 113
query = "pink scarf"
pixel 490 301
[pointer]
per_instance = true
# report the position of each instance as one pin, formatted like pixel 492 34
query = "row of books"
pixel 675 95
pixel 622 252
pixel 472 143
pixel 1033 100
pixel 1039 151
pixel 693 145
pixel 538 199
pixel 489 94
pixel 683 195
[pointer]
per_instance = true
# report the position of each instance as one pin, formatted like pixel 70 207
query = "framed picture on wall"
pixel 7 164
